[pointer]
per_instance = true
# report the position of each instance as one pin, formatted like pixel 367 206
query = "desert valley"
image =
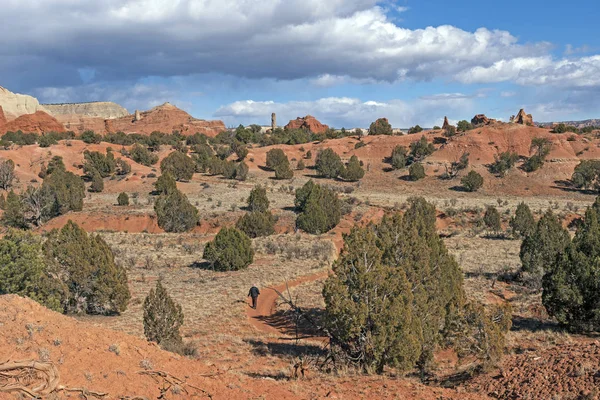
pixel 162 191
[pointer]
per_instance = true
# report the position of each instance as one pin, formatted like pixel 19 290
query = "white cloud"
pixel 350 112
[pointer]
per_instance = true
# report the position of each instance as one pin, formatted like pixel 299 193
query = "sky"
pixel 347 62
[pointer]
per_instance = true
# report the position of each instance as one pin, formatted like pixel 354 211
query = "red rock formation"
pixel 446 123
pixel 40 122
pixel 309 123
pixel 481 119
pixel 523 118
pixel 166 118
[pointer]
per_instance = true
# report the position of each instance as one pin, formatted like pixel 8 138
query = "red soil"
pixel 40 122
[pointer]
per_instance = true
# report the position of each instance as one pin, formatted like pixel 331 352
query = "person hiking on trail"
pixel 254 292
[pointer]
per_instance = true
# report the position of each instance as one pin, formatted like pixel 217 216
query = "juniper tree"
pixel 256 224
pixel 353 171
pixel 163 317
pixel 276 157
pixel 123 199
pixel 523 223
pixel 165 184
pixel 23 270
pixel 399 157
pixel 571 283
pixel 319 208
pixel 328 163
pixel 97 185
pixel 230 250
pixel 472 182
pixel 380 127
pixel 67 189
pixel 14 216
pixel 85 265
pixel 540 249
pixel 179 165
pixel 416 172
pixel 7 174
pixel 491 219
pixel 175 213
pixel 258 200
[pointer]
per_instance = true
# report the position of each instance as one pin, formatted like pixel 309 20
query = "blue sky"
pixel 347 62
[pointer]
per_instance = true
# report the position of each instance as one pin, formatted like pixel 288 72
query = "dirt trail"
pixel 266 306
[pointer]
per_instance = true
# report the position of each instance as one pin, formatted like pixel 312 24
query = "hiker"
pixel 254 292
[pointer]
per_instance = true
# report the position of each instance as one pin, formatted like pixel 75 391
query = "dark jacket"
pixel 253 292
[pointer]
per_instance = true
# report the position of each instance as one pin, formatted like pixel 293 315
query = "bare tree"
pixel 7 174
pixel 37 203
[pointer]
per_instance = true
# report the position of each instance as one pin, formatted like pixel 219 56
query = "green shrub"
pixel 491 219
pixel 300 166
pixel 541 148
pixel 503 163
pixel 353 171
pixel 25 272
pixel 416 172
pixel 587 175
pixel 450 131
pixel 95 161
pixel 463 126
pixel 231 250
pixel 258 200
pixel 90 137
pixel 97 185
pixel 415 129
pixel 379 306
pixel 284 171
pixel 380 127
pixel 241 152
pixel 141 155
pixel 328 163
pixel 123 199
pixel 276 157
pixel 163 317
pixel 46 141
pixel 399 157
pixel 14 215
pixel 570 283
pixel 165 184
pixel 123 167
pixel 319 208
pixel 523 223
pixel 86 266
pixel 179 165
pixel 175 213
pixel 66 188
pixel 540 249
pixel 241 171
pixel 472 182
pixel 257 224
pixel 421 149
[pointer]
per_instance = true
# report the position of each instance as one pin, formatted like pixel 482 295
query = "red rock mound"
pixel 309 123
pixel 481 119
pixel 40 122
pixel 446 123
pixel 165 118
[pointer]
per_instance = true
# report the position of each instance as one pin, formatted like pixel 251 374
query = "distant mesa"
pixel 522 118
pixel 481 119
pixel 100 109
pixel 446 123
pixel 308 123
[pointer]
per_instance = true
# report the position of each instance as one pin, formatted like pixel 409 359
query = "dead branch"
pixel 35 379
pixel 165 379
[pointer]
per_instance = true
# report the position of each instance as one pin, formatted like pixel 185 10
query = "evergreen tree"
pixel 165 184
pixel 284 171
pixel 421 149
pixel 491 219
pixel 86 266
pixel 179 165
pixel 258 201
pixel 23 270
pixel 96 162
pixel 276 157
pixel 67 189
pixel 175 213
pixel 142 155
pixel 472 182
pixel 319 208
pixel 123 199
pixel 416 172
pixel 163 317
pixel 241 171
pixel 399 157
pixel 540 249
pixel 97 185
pixel 231 250
pixel 7 174
pixel 353 171
pixel 503 163
pixel 380 127
pixel 328 163
pixel 257 224
pixel 572 282
pixel 522 223
pixel 14 216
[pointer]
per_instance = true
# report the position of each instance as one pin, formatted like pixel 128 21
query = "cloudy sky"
pixel 347 62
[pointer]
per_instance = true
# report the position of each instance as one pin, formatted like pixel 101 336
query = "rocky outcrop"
pixel 165 118
pixel 15 105
pixel 308 123
pixel 100 109
pixel 481 119
pixel 446 123
pixel 39 122
pixel 522 118
pixel 2 118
